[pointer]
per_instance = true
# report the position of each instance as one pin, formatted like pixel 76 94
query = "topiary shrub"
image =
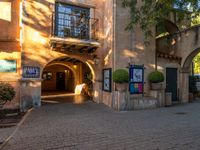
pixel 7 93
pixel 120 76
pixel 156 77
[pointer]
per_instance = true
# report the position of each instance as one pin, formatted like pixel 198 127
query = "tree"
pixel 151 13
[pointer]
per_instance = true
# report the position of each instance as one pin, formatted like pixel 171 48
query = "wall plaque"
pixel 31 72
pixel 8 66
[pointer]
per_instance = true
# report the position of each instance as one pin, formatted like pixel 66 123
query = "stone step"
pixel 144 103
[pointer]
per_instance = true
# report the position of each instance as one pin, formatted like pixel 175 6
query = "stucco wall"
pixel 108 46
pixel 168 63
pixel 130 47
pixel 9 24
pixel 36 48
pixel 10 45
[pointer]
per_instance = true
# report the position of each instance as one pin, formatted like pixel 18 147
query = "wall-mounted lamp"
pixel 129 61
pixel 96 60
pixel 75 66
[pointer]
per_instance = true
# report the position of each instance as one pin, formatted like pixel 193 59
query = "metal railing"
pixel 74 26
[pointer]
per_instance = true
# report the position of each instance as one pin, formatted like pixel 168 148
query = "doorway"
pixel 60 81
pixel 171 82
pixel 65 80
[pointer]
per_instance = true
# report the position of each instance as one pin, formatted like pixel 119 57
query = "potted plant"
pixel 121 77
pixel 89 85
pixel 156 78
pixel 7 93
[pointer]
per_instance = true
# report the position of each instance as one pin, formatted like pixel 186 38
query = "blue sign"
pixel 31 72
pixel 8 66
pixel 136 79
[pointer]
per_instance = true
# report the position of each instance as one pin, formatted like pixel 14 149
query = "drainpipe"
pixel 114 27
pixel 114 36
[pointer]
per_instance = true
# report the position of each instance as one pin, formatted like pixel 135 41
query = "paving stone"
pixel 92 126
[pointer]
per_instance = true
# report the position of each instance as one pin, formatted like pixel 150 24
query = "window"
pixel 72 21
pixel 5 11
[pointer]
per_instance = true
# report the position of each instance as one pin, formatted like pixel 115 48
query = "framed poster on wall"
pixel 136 79
pixel 47 75
pixel 107 79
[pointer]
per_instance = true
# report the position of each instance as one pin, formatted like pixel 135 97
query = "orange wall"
pixel 9 26
pixel 10 29
pixel 10 44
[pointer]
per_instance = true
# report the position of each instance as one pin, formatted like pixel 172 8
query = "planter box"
pixel 156 86
pixel 121 87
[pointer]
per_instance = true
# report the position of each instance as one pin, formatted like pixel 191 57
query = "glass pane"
pixel 72 21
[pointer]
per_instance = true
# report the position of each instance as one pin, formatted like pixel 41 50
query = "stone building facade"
pixel 77 35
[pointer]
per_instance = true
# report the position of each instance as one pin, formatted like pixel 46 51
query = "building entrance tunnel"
pixel 66 80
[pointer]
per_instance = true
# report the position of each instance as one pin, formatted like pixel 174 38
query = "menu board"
pixel 107 79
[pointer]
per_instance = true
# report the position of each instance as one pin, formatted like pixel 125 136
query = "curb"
pixel 17 128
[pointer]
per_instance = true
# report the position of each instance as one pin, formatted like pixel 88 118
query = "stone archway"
pixel 68 61
pixel 68 66
pixel 184 74
pixel 184 45
pixel 49 76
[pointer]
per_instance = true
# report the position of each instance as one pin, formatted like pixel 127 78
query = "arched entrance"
pixel 66 79
pixel 185 73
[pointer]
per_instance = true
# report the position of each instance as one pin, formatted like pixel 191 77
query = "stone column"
pixel 97 92
pixel 184 86
pixel 30 91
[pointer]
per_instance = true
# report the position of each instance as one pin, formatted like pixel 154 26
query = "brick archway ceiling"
pixel 74 45
pixel 67 59
pixel 168 56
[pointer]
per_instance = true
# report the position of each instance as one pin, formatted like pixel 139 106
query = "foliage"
pixel 195 20
pixel 156 77
pixel 150 13
pixel 192 85
pixel 7 93
pixel 89 84
pixel 88 78
pixel 196 62
pixel 120 76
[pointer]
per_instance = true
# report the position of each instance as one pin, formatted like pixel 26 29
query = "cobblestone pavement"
pixel 91 126
pixel 5 133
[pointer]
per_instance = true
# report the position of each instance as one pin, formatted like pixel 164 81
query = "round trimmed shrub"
pixel 120 76
pixel 156 77
pixel 7 93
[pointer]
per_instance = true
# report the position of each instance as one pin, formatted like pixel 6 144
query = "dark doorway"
pixel 171 82
pixel 60 81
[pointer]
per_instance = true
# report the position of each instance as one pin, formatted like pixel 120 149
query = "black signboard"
pixel 107 77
